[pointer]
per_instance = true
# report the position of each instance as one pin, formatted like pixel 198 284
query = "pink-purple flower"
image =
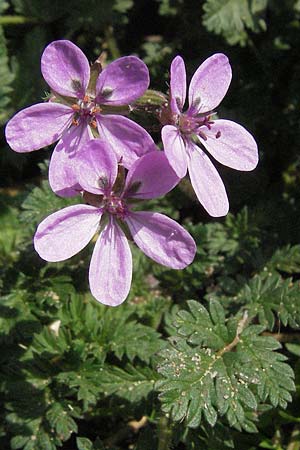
pixel 75 113
pixel 110 210
pixel 190 137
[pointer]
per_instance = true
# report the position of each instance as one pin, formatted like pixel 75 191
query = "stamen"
pixel 75 122
pixel 76 107
pixel 93 123
pixel 202 134
pixel 86 99
pixel 96 110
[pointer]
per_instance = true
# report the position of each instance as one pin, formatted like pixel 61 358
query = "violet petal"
pixel 122 81
pixel 175 149
pixel 37 126
pixel 162 239
pixel 128 139
pixel 96 167
pixel 111 266
pixel 152 176
pixel 62 177
pixel 232 145
pixel 177 84
pixel 207 183
pixel 209 84
pixel 66 232
pixel 65 68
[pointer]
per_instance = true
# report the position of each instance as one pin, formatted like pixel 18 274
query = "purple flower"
pixel 66 232
pixel 186 135
pixel 75 115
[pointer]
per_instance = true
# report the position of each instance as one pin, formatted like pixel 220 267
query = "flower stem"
pixel 164 434
pixel 16 20
pixel 111 42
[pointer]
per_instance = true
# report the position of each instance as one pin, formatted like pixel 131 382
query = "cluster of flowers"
pixel 113 163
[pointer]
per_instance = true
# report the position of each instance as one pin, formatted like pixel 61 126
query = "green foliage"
pixel 232 18
pixel 40 203
pixel 286 259
pixel 6 77
pixel 86 444
pixel 270 297
pixel 213 368
pixel 76 374
pixel 224 250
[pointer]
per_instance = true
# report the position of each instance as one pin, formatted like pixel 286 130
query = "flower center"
pixel 86 110
pixel 196 125
pixel 115 205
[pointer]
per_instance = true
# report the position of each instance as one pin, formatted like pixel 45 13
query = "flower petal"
pixel 177 84
pixel 209 84
pixel 175 149
pixel 128 139
pixel 37 126
pixel 62 176
pixel 96 167
pixel 162 239
pixel 150 176
pixel 111 266
pixel 66 232
pixel 207 183
pixel 65 68
pixel 122 81
pixel 234 147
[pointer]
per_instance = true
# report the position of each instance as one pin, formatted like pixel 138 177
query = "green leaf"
pixel 293 348
pixel 269 296
pixel 40 203
pixel 200 327
pixel 232 18
pixel 131 383
pixel 140 341
pixel 84 444
pixel 60 419
pixel 220 372
pixel 286 259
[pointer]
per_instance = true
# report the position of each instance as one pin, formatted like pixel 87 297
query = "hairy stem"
pixel 164 434
pixel 241 325
pixel 111 42
pixel 16 20
pixel 284 337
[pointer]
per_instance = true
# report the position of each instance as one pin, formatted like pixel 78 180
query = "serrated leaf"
pixel 286 259
pixel 141 341
pixel 211 381
pixel 60 419
pixel 199 327
pixel 232 18
pixel 269 296
pixel 40 203
pixel 130 383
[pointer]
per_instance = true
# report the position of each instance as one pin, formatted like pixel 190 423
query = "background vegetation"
pixel 197 359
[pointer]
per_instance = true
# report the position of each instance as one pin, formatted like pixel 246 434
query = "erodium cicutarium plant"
pixel 120 326
pixel 111 207
pixel 86 113
pixel 79 110
pixel 188 135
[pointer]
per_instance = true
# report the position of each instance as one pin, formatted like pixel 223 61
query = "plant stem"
pixel 111 42
pixel 16 20
pixel 284 337
pixel 164 434
pixel 241 325
pixel 294 443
